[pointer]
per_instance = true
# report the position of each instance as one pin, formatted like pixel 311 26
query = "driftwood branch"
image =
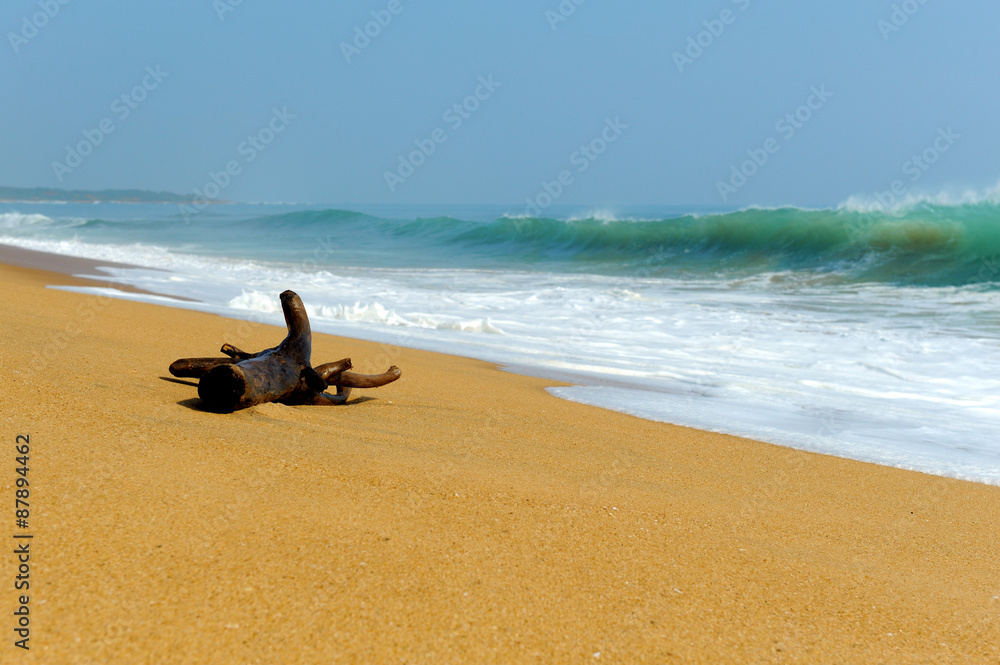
pixel 233 352
pixel 195 368
pixel 282 374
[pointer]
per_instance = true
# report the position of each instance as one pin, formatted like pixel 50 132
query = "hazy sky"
pixel 665 98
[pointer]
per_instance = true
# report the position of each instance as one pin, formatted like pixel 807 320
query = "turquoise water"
pixel 928 245
pixel 852 331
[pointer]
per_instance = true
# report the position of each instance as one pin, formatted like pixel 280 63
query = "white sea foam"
pixel 15 220
pixel 909 200
pixel 600 215
pixel 367 312
pixel 255 301
pixel 22 224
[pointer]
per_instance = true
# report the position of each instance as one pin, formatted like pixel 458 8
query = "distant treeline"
pixel 79 196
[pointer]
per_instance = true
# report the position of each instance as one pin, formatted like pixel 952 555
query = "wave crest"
pixel 16 220
pixel 909 201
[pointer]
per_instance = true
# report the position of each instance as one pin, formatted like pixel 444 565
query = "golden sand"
pixel 459 515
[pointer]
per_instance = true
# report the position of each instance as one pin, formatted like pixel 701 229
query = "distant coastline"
pixel 52 195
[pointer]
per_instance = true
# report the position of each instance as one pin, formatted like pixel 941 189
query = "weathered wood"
pixel 268 376
pixel 330 372
pixel 196 368
pixel 233 352
pixel 283 374
pixel 352 380
pixel 324 399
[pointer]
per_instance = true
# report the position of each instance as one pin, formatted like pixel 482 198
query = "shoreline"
pixel 460 514
pixel 75 270
pixel 91 269
pixel 62 264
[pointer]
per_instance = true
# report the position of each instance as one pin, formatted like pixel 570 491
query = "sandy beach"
pixel 459 515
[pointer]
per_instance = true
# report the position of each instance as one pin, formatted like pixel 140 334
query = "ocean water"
pixel 854 331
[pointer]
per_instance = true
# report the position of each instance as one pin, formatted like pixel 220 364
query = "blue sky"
pixel 332 121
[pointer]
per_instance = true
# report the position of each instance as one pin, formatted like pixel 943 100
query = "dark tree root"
pixel 283 374
pixel 352 380
pixel 233 352
pixel 195 368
